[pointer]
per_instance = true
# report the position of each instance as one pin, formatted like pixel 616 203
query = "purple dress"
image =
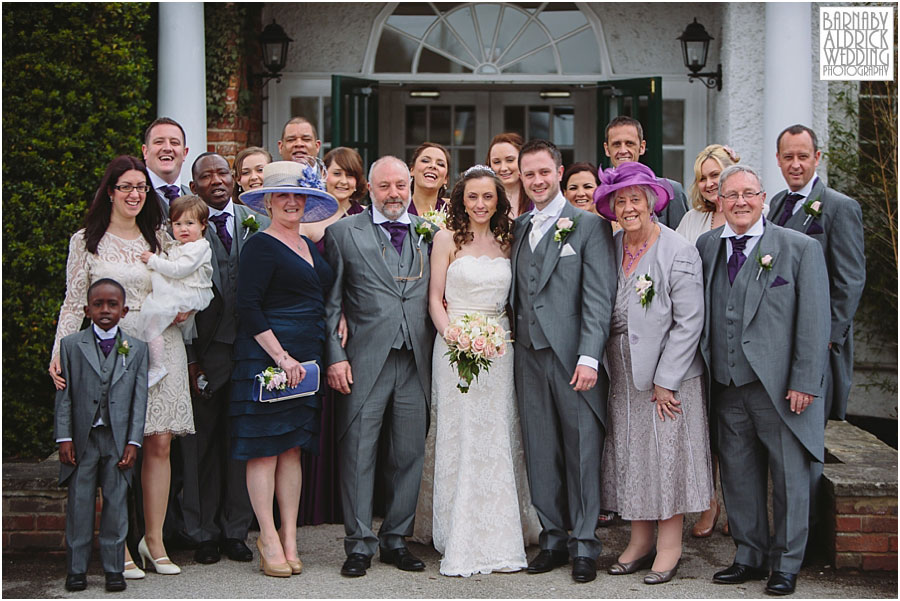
pixel 320 497
pixel 412 207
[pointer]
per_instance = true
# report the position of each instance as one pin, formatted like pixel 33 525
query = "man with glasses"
pixel 164 151
pixel 765 348
pixel 383 376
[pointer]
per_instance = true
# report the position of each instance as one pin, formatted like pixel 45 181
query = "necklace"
pixel 634 257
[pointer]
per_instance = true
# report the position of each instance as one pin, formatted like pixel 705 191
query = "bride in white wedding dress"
pixel 482 512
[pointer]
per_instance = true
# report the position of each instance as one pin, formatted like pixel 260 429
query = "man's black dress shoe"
pixel 546 560
pixel 355 565
pixel 76 582
pixel 738 573
pixel 584 569
pixel 403 559
pixel 236 550
pixel 207 552
pixel 115 582
pixel 781 583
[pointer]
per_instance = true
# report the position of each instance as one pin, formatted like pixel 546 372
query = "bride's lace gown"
pixel 482 512
pixel 168 404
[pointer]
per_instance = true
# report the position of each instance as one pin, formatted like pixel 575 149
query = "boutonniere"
pixel 436 216
pixel 812 208
pixel 426 231
pixel 564 227
pixel 765 262
pixel 644 289
pixel 250 225
pixel 123 349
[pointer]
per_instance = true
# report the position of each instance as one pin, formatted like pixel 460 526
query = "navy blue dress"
pixel 280 291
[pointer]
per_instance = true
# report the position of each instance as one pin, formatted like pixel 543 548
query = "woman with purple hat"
pixel 656 464
pixel 282 283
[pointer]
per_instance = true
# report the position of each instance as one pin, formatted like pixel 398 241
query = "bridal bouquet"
pixel 437 217
pixel 474 340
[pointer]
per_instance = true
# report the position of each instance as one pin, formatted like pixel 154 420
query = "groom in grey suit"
pixel 562 294
pixel 383 376
pixel 765 342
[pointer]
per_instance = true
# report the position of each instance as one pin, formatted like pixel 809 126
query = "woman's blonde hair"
pixel 725 157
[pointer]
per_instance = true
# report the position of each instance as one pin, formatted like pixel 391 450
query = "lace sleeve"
pixel 78 278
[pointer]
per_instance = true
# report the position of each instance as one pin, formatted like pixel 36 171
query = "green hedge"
pixel 75 94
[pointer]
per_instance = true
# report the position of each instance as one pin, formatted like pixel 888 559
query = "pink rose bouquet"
pixel 474 340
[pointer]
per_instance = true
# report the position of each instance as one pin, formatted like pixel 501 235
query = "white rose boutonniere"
pixel 765 262
pixel 250 225
pixel 123 349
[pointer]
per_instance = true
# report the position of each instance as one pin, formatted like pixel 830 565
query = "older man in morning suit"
pixel 383 376
pixel 562 294
pixel 764 343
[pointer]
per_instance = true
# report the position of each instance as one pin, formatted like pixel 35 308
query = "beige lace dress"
pixel 169 402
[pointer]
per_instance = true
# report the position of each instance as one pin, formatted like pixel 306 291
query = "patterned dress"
pixel 169 402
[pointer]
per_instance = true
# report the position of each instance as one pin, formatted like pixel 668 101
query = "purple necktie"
pixel 790 201
pixel 170 192
pixel 106 345
pixel 737 256
pixel 398 233
pixel 221 220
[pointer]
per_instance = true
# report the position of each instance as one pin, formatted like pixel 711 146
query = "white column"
pixel 788 80
pixel 182 74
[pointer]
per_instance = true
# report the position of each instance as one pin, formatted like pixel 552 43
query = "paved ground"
pixel 322 554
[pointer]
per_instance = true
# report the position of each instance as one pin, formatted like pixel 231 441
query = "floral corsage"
pixel 812 208
pixel 644 289
pixel 273 378
pixel 765 262
pixel 123 349
pixel 426 231
pixel 250 225
pixel 436 216
pixel 564 227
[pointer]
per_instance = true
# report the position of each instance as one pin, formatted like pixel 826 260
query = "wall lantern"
pixel 273 43
pixel 695 47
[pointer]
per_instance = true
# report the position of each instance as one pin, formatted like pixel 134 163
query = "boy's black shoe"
pixel 76 582
pixel 115 582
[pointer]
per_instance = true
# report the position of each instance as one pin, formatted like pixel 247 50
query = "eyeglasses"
pixel 747 196
pixel 126 188
pixel 408 278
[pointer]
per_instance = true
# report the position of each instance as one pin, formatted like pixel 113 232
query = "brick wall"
pixel 866 533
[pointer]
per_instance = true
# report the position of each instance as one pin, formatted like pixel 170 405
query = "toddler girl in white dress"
pixel 181 279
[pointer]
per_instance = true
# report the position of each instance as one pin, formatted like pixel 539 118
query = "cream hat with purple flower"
pixel 288 176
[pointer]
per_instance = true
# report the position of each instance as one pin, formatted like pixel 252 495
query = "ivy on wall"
pixel 75 95
pixel 231 36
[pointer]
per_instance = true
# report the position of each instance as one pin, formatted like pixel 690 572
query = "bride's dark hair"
pixel 458 219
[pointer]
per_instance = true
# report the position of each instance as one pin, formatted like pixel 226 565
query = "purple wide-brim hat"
pixel 288 176
pixel 625 176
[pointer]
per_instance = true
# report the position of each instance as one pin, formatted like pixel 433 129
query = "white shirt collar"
pixel 755 230
pixel 228 209
pixel 805 190
pixel 156 181
pixel 378 217
pixel 553 209
pixel 105 334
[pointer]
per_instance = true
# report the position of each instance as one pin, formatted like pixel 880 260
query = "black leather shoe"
pixel 546 560
pixel 207 552
pixel 584 569
pixel 355 565
pixel 738 573
pixel 236 550
pixel 76 582
pixel 115 582
pixel 403 559
pixel 781 583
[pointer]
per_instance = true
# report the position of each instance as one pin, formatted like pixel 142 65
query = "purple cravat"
pixel 222 230
pixel 737 256
pixel 170 192
pixel 790 201
pixel 398 233
pixel 106 345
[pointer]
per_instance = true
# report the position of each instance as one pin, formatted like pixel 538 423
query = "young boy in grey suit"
pixel 99 423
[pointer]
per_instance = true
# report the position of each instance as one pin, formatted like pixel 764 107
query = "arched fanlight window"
pixel 488 38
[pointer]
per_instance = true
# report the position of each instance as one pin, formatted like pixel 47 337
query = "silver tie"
pixel 535 236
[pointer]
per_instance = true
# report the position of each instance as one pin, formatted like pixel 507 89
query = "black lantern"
pixel 695 48
pixel 273 43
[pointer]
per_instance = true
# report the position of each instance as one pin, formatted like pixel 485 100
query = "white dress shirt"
pixel 157 182
pixel 378 218
pixel 804 192
pixel 229 222
pixel 755 231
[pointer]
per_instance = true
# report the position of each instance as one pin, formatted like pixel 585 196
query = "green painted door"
pixel 637 98
pixel 354 121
